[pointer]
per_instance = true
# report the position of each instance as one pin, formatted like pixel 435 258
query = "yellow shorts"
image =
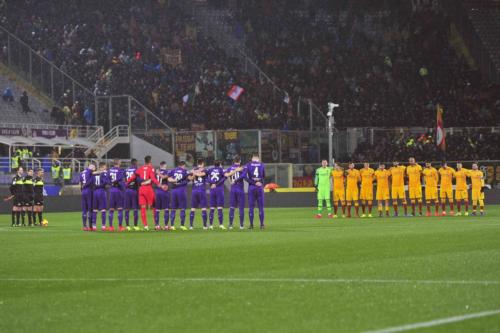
pixel 398 192
pixel 477 194
pixel 415 192
pixel 338 195
pixel 446 193
pixel 382 193
pixel 366 193
pixel 462 194
pixel 352 194
pixel 431 193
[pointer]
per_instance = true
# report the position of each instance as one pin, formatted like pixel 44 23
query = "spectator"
pixel 24 100
pixel 7 95
pixel 88 116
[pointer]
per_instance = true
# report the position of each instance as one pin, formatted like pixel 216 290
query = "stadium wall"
pixel 70 203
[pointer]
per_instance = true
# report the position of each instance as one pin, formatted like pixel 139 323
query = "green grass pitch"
pixel 299 275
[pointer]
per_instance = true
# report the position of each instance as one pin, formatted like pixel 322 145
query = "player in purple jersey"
pixel 131 196
pixel 255 177
pixel 86 182
pixel 179 179
pixel 236 175
pixel 198 195
pixel 162 200
pixel 99 200
pixel 215 177
pixel 117 178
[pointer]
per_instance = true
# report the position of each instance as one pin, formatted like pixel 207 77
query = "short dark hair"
pixel 162 163
pixel 181 163
pixel 147 159
pixel 217 163
pixel 133 161
pixel 237 159
pixel 255 154
pixel 101 164
pixel 200 161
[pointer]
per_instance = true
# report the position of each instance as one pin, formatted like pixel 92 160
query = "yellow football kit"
pixel 431 183
pixel 398 182
pixel 446 190
pixel 414 182
pixel 366 184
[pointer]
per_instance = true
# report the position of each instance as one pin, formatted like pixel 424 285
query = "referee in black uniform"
pixel 28 196
pixel 16 191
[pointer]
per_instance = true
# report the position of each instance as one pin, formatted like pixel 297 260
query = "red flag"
pixel 235 92
pixel 440 131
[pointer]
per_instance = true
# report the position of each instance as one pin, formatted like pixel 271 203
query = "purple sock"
pixel 166 215
pixel 191 218
pixel 172 217
pixel 103 218
pixel 157 217
pixel 242 216
pixel 127 217
pixel 136 217
pixel 220 215
pixel 250 216
pixel 204 217
pixel 94 218
pixel 183 216
pixel 120 217
pixel 211 216
pixel 231 216
pixel 111 216
pixel 261 216
pixel 84 219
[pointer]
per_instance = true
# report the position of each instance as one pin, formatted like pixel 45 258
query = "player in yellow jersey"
pixel 352 190
pixel 477 194
pixel 446 187
pixel 338 176
pixel 398 186
pixel 366 194
pixel 431 177
pixel 461 192
pixel 382 177
pixel 414 172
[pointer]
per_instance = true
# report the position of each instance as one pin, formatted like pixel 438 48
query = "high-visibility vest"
pixel 66 173
pixel 55 171
pixel 14 162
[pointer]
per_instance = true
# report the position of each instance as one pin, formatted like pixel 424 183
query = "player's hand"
pixel 258 184
pixel 212 186
pixel 239 169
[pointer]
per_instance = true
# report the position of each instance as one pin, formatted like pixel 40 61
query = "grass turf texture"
pixel 73 295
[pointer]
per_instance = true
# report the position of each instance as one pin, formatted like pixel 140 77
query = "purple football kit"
pixel 131 196
pixel 178 194
pixel 215 176
pixel 162 200
pixel 86 188
pixel 237 193
pixel 99 200
pixel 199 196
pixel 255 174
pixel 117 178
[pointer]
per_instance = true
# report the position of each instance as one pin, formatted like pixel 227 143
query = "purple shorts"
pixel 131 199
pixel 86 200
pixel 237 198
pixel 162 200
pixel 178 198
pixel 198 199
pixel 217 197
pixel 99 201
pixel 115 198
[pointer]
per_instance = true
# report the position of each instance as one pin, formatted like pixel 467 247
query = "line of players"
pixel 351 193
pixel 132 189
pixel 27 192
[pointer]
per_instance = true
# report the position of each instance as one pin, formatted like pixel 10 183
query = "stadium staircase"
pixel 117 135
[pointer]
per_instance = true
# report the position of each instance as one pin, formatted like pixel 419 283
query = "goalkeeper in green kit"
pixel 322 184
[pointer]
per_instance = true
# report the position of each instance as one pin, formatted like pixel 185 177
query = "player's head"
pixel 366 165
pixel 459 166
pixel 324 163
pixel 200 162
pixel 39 172
pixel 444 164
pixel 133 162
pixel 147 159
pixel 117 163
pixel 351 165
pixel 217 163
pixel 395 163
pixel 92 166
pixel 428 164
pixel 381 166
pixel 163 165
pixel 30 172
pixel 102 166
pixel 181 164
pixel 474 166
pixel 20 170
pixel 237 159
pixel 411 160
pixel 255 157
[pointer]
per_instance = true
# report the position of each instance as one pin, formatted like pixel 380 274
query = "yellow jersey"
pixel 476 177
pixel 366 177
pixel 461 178
pixel 382 177
pixel 353 178
pixel 338 179
pixel 431 177
pixel 414 173
pixel 398 175
pixel 446 177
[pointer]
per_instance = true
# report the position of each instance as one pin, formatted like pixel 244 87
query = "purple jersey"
pixel 255 173
pixel 101 180
pixel 215 176
pixel 86 179
pixel 199 181
pixel 181 177
pixel 129 173
pixel 237 178
pixel 117 178
pixel 162 172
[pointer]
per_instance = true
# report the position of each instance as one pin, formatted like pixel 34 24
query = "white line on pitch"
pixel 271 280
pixel 436 322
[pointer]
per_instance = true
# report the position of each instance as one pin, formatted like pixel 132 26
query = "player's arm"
pixel 316 179
pixel 152 177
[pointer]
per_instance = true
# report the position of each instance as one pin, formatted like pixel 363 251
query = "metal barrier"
pixel 92 133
